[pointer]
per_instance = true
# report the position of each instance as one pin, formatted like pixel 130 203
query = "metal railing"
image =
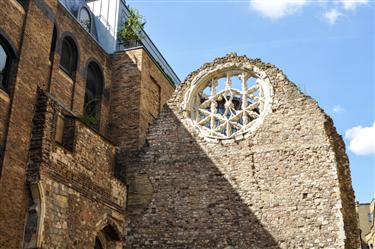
pixel 123 13
pixel 146 42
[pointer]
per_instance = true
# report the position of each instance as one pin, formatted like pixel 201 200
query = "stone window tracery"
pixel 228 101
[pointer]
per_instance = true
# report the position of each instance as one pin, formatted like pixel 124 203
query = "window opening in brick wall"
pixel 64 134
pixel 93 95
pixel 85 19
pixel 6 60
pixel 98 244
pixel 69 56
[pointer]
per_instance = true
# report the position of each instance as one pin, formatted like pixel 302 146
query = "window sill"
pixel 4 96
pixel 65 75
pixel 65 148
pixel 18 6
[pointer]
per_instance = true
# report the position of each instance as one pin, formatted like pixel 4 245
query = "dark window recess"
pixel 85 19
pixel 53 44
pixel 64 135
pixel 69 56
pixel 119 168
pixel 6 60
pixel 93 95
pixel 98 244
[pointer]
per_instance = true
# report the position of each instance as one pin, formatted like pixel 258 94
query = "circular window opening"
pixel 229 103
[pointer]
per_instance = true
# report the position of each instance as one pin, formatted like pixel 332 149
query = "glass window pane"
pixel 3 59
pixel 66 54
pixel 98 245
pixel 84 19
pixel 94 91
pixel 68 59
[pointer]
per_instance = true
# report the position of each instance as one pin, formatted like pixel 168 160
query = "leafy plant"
pixel 89 119
pixel 133 26
pixel 89 112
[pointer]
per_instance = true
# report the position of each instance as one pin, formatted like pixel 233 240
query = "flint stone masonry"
pixel 287 185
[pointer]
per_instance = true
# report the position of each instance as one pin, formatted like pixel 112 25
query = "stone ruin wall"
pixel 287 185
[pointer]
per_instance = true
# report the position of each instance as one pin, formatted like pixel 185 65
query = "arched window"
pixel 93 94
pixel 85 19
pixel 6 60
pixel 98 244
pixel 108 238
pixel 69 56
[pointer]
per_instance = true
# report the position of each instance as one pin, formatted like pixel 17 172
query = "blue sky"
pixel 325 47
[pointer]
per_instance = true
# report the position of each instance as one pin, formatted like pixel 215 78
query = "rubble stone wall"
pixel 287 185
pixel 156 90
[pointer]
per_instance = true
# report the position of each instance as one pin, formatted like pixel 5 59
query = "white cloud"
pixel 352 4
pixel 362 139
pixel 338 109
pixel 276 9
pixel 332 16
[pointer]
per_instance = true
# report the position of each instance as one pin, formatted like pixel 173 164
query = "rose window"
pixel 229 103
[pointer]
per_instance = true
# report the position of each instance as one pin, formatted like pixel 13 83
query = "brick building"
pixel 72 103
pixel 238 157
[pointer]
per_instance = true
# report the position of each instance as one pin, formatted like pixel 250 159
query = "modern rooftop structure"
pixel 104 19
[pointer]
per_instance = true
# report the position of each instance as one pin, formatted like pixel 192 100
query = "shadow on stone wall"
pixel 178 198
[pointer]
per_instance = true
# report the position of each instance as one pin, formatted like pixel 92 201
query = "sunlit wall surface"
pixel 107 19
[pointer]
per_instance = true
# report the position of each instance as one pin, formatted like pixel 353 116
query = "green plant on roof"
pixel 133 26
